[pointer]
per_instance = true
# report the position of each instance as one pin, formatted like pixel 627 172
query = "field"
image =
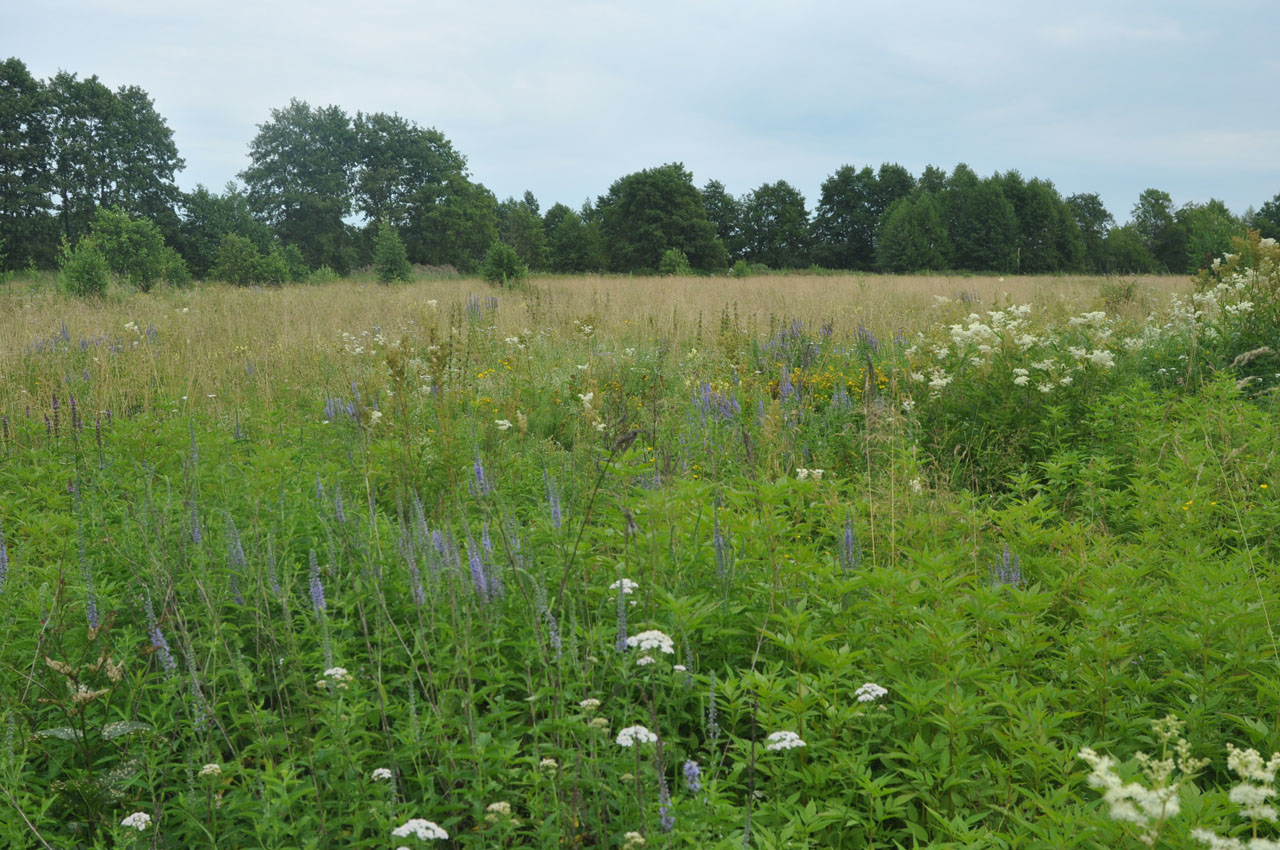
pixel 783 561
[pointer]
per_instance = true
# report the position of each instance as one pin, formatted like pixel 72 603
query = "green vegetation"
pixel 294 566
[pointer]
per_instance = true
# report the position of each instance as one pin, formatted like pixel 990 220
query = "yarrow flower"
pixel 783 741
pixel 869 692
pixel 495 812
pixel 632 840
pixel 651 640
pixel 626 585
pixel 424 830
pixel 138 820
pixel 636 735
pixel 380 774
pixel 210 770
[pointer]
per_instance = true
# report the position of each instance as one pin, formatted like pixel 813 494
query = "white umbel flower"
pixel 424 830
pixel 633 735
pixel 783 741
pixel 652 639
pixel 138 820
pixel 869 692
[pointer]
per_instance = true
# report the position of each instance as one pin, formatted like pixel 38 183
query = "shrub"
pixel 503 266
pixel 84 269
pixel 237 261
pixel 175 268
pixel 390 261
pixel 324 274
pixel 133 247
pixel 674 262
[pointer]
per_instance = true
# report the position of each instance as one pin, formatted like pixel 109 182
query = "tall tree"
pixel 844 222
pixel 1267 219
pixel 300 180
pixel 520 226
pixel 208 216
pixel 913 236
pixel 981 222
pixel 26 148
pixel 1209 229
pixel 454 225
pixel 1163 235
pixel 650 211
pixel 573 243
pixel 724 211
pixel 397 165
pixel 1094 222
pixel 775 226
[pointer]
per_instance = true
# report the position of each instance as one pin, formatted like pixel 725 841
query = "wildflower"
pixel 783 741
pixel 138 820
pixel 211 769
pixel 503 424
pixel 374 417
pixel 336 676
pixel 317 586
pixel 652 639
pixel 632 840
pixel 692 776
pixel 626 585
pixel 916 485
pixel 586 400
pixel 644 660
pixel 680 668
pixel 380 774
pixel 636 735
pixel 495 812
pixel 425 830
pixel 599 723
pixel 549 765
pixel 869 692
pixel 589 704
pixel 1021 381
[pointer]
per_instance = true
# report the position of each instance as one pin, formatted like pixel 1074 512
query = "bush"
pixel 175 268
pixel 390 261
pixel 237 261
pixel 324 274
pixel 674 262
pixel 503 266
pixel 274 268
pixel 133 247
pixel 84 269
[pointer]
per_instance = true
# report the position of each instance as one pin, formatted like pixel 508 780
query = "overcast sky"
pixel 564 97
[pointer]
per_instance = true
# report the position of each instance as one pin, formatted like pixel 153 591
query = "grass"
pixel 330 530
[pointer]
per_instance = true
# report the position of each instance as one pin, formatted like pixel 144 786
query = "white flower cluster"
pixel 804 474
pixel 380 774
pixel 138 820
pixel 633 735
pixel 626 585
pixel 783 741
pixel 870 692
pixel 211 769
pixel 589 704
pixel 423 830
pixel 1131 802
pixel 651 640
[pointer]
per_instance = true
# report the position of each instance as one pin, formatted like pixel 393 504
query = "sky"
pixel 563 97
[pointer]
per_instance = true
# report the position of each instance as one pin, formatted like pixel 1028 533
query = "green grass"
pixel 254 457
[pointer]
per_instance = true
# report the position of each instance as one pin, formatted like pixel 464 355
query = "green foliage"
pixel 1094 224
pixel 239 262
pixel 913 236
pixel 775 226
pixel 83 269
pixel 1210 229
pixel 850 213
pixel 324 274
pixel 724 211
pixel 133 248
pixel 981 222
pixel 390 262
pixel 520 226
pixel 503 267
pixel 647 212
pixel 207 217
pixel 674 262
pixel 573 242
pixel 174 268
pixel 1124 252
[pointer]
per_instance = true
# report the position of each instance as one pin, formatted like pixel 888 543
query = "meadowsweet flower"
pixel 636 735
pixel 503 424
pixel 779 741
pixel 589 704
pixel 424 830
pixel 632 840
pixel 380 774
pixel 549 765
pixel 869 692
pixel 652 639
pixel 138 820
pixel 211 769
pixel 495 812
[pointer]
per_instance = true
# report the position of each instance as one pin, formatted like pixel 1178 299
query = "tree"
pixel 849 210
pixel 1209 229
pixel 300 180
pixel 1093 222
pixel 1048 239
pixel 453 224
pixel 133 247
pixel 647 212
pixel 775 226
pixel 26 148
pixel 1125 252
pixel 396 164
pixel 206 217
pixel 724 211
pixel 502 266
pixel 82 268
pixel 981 222
pixel 520 226
pixel 1161 233
pixel 573 243
pixel 109 149
pixel 1267 219
pixel 390 261
pixel 913 236
pixel 933 180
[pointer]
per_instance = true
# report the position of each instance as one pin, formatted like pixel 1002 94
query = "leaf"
pixel 117 730
pixel 65 733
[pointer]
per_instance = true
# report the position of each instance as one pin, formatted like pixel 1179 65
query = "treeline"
pixel 324 188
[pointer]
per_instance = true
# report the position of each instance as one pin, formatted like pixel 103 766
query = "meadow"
pixel 784 561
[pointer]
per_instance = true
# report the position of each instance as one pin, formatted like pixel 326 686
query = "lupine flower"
pixel 713 728
pixel 722 549
pixel 4 560
pixel 850 549
pixel 477 470
pixel 692 776
pixel 666 820
pixel 138 820
pixel 424 830
pixel 869 692
pixel 633 735
pixel 1008 570
pixel 158 643
pixel 779 741
pixel 621 642
pixel 553 499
